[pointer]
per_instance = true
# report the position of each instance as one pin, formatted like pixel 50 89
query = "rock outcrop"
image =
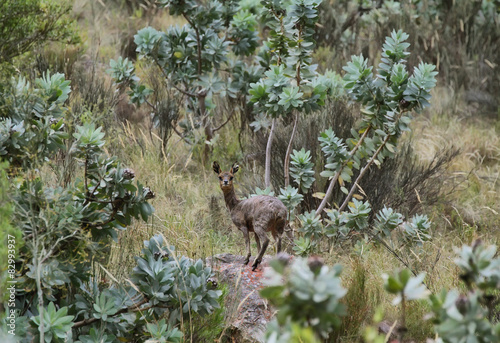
pixel 247 313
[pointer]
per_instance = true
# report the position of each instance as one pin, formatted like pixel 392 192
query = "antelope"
pixel 259 214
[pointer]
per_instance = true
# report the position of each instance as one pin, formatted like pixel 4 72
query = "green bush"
pixel 27 24
pixel 32 125
pixel 308 297
pixel 305 292
pixel 202 61
pixel 67 227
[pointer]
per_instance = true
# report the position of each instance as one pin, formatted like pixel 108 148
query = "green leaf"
pixel 56 322
pixel 146 40
pixel 393 284
pixel 301 169
pixel 271 292
pixel 55 87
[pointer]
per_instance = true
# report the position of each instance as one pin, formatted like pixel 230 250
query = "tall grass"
pixel 473 192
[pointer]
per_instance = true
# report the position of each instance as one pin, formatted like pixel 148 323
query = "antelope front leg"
pixel 247 243
pixel 265 242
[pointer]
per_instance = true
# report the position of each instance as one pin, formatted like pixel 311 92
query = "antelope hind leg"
pixel 257 240
pixel 265 242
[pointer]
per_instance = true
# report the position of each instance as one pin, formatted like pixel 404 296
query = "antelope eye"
pixel 231 178
pixel 220 178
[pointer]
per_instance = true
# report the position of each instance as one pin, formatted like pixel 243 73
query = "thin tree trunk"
pixel 267 177
pixel 289 152
pixel 207 149
pixel 403 318
pixel 41 309
pixel 206 124
pixel 202 94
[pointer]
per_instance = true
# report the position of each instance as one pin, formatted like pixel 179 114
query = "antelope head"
pixel 225 178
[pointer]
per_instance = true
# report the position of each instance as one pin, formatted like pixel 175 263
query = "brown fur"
pixel 259 214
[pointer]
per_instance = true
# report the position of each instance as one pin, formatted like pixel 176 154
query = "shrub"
pixel 67 230
pixel 32 124
pixel 9 234
pixel 407 184
pixel 347 28
pixel 387 100
pixel 26 24
pixel 307 293
pixel 193 61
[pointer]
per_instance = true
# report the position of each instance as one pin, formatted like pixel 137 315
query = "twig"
pixel 89 197
pixel 173 126
pixel 337 175
pixel 165 75
pixel 85 175
pixel 388 248
pixel 51 251
pixel 363 172
pixel 223 124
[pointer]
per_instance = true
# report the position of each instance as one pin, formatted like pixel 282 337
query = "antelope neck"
pixel 230 198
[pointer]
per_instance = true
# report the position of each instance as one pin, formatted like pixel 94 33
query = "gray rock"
pixel 247 313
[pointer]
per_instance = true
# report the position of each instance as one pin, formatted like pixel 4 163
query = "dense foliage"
pixel 307 295
pixel 26 24
pixel 67 229
pixel 200 61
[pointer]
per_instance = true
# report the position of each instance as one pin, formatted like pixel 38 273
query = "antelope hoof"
pixel 246 261
pixel 255 265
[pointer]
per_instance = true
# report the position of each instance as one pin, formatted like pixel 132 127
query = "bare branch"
pixel 363 172
pixel 224 123
pixel 337 175
pixel 268 155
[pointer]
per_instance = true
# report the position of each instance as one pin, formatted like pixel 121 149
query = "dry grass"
pixel 190 210
pixel 475 190
pixel 106 25
pixel 363 277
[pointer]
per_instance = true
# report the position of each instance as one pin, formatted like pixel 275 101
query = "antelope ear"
pixel 235 168
pixel 216 167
